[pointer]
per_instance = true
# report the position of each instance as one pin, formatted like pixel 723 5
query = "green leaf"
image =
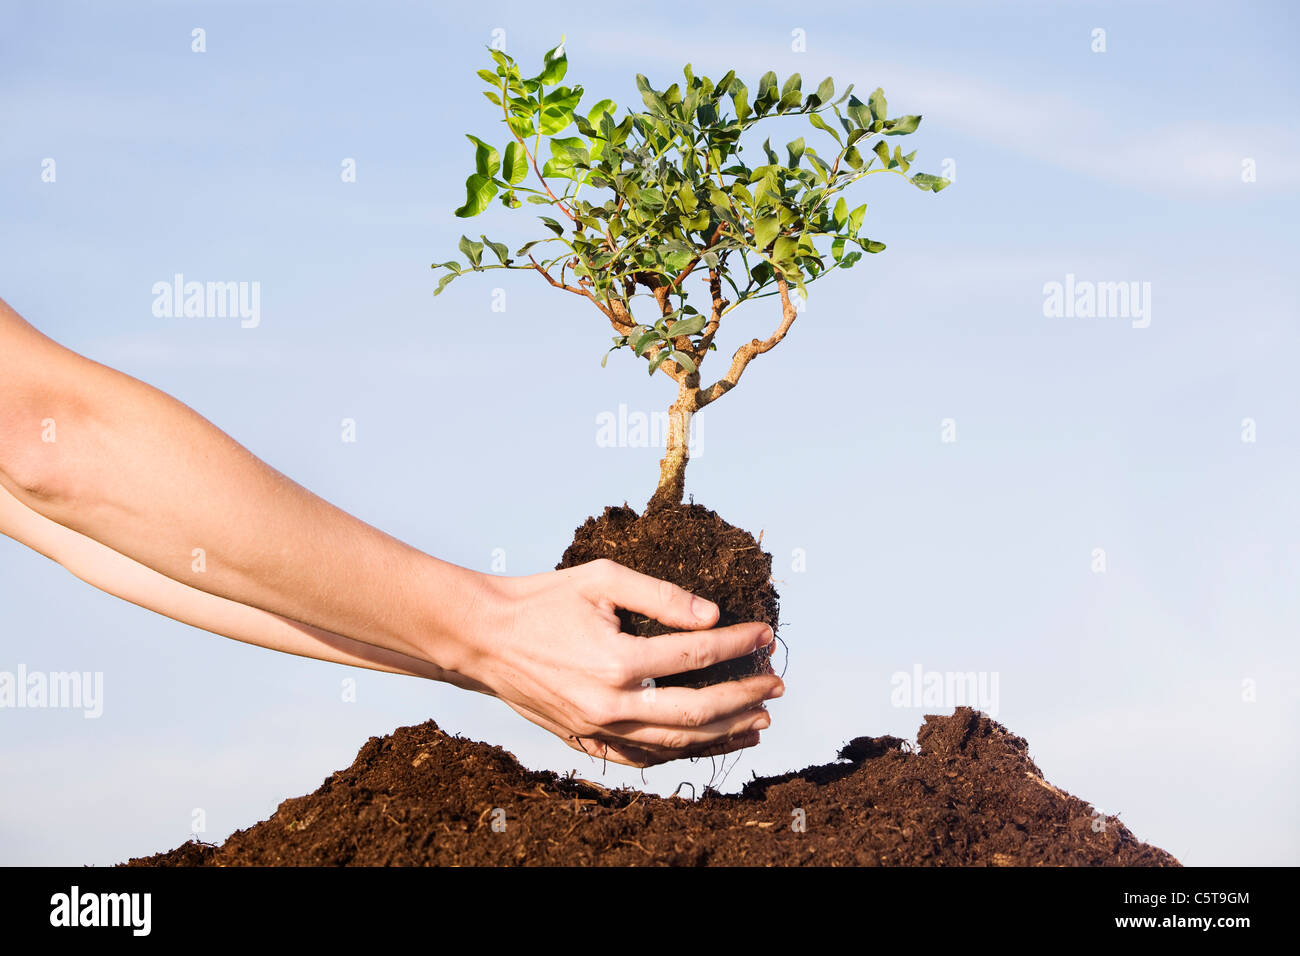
pixel 521 126
pixel 479 191
pixel 823 170
pixel 647 338
pixel 765 230
pixel 557 109
pixel 855 219
pixel 791 85
pixel 927 181
pixel 682 359
pixel 473 250
pixel 740 99
pixel 554 65
pixel 872 246
pixel 825 91
pixel 795 149
pixel 569 148
pixel 881 150
pixel 823 125
pixel 904 124
pixel 552 225
pixel 442 283
pixel 599 110
pixel 653 101
pixel 566 154
pixel 515 167
pixel 859 112
pixel 554 120
pixel 841 213
pixel 686 326
pixel 486 159
pixel 878 105
pixel 658 359
pixel 499 249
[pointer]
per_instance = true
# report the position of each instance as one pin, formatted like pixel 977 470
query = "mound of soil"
pixel 969 795
pixel 693 548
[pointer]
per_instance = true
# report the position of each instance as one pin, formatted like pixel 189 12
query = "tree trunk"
pixel 672 467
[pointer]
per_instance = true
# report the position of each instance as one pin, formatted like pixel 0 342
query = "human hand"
pixel 550 646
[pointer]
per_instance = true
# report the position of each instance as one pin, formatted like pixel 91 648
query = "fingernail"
pixel 765 639
pixel 702 609
pixel 776 691
pixel 762 722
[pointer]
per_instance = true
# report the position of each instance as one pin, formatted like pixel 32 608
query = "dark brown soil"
pixel 969 796
pixel 693 548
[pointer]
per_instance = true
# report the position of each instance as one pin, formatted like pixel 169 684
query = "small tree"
pixel 658 196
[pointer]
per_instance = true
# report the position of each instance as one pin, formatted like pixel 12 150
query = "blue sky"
pixel 971 555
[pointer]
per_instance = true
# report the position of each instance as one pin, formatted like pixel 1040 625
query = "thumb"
pixel 662 600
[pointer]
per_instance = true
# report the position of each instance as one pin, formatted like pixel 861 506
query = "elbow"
pixel 29 465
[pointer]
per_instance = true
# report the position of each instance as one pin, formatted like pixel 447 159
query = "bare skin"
pixel 142 497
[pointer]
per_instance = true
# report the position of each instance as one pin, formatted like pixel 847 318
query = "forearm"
pixel 116 574
pixel 145 476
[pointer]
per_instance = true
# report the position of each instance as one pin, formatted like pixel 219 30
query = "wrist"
pixel 465 612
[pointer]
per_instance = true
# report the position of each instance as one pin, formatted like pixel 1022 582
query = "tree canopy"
pixel 638 203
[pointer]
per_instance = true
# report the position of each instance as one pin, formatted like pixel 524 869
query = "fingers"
pixel 679 653
pixel 645 746
pixel 661 600
pixel 636 757
pixel 683 740
pixel 728 746
pixel 618 753
pixel 687 707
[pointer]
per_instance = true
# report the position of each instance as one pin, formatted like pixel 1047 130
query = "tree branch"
pixel 568 288
pixel 715 315
pixel 747 352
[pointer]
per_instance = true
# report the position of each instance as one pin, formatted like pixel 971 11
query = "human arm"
pixel 149 479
